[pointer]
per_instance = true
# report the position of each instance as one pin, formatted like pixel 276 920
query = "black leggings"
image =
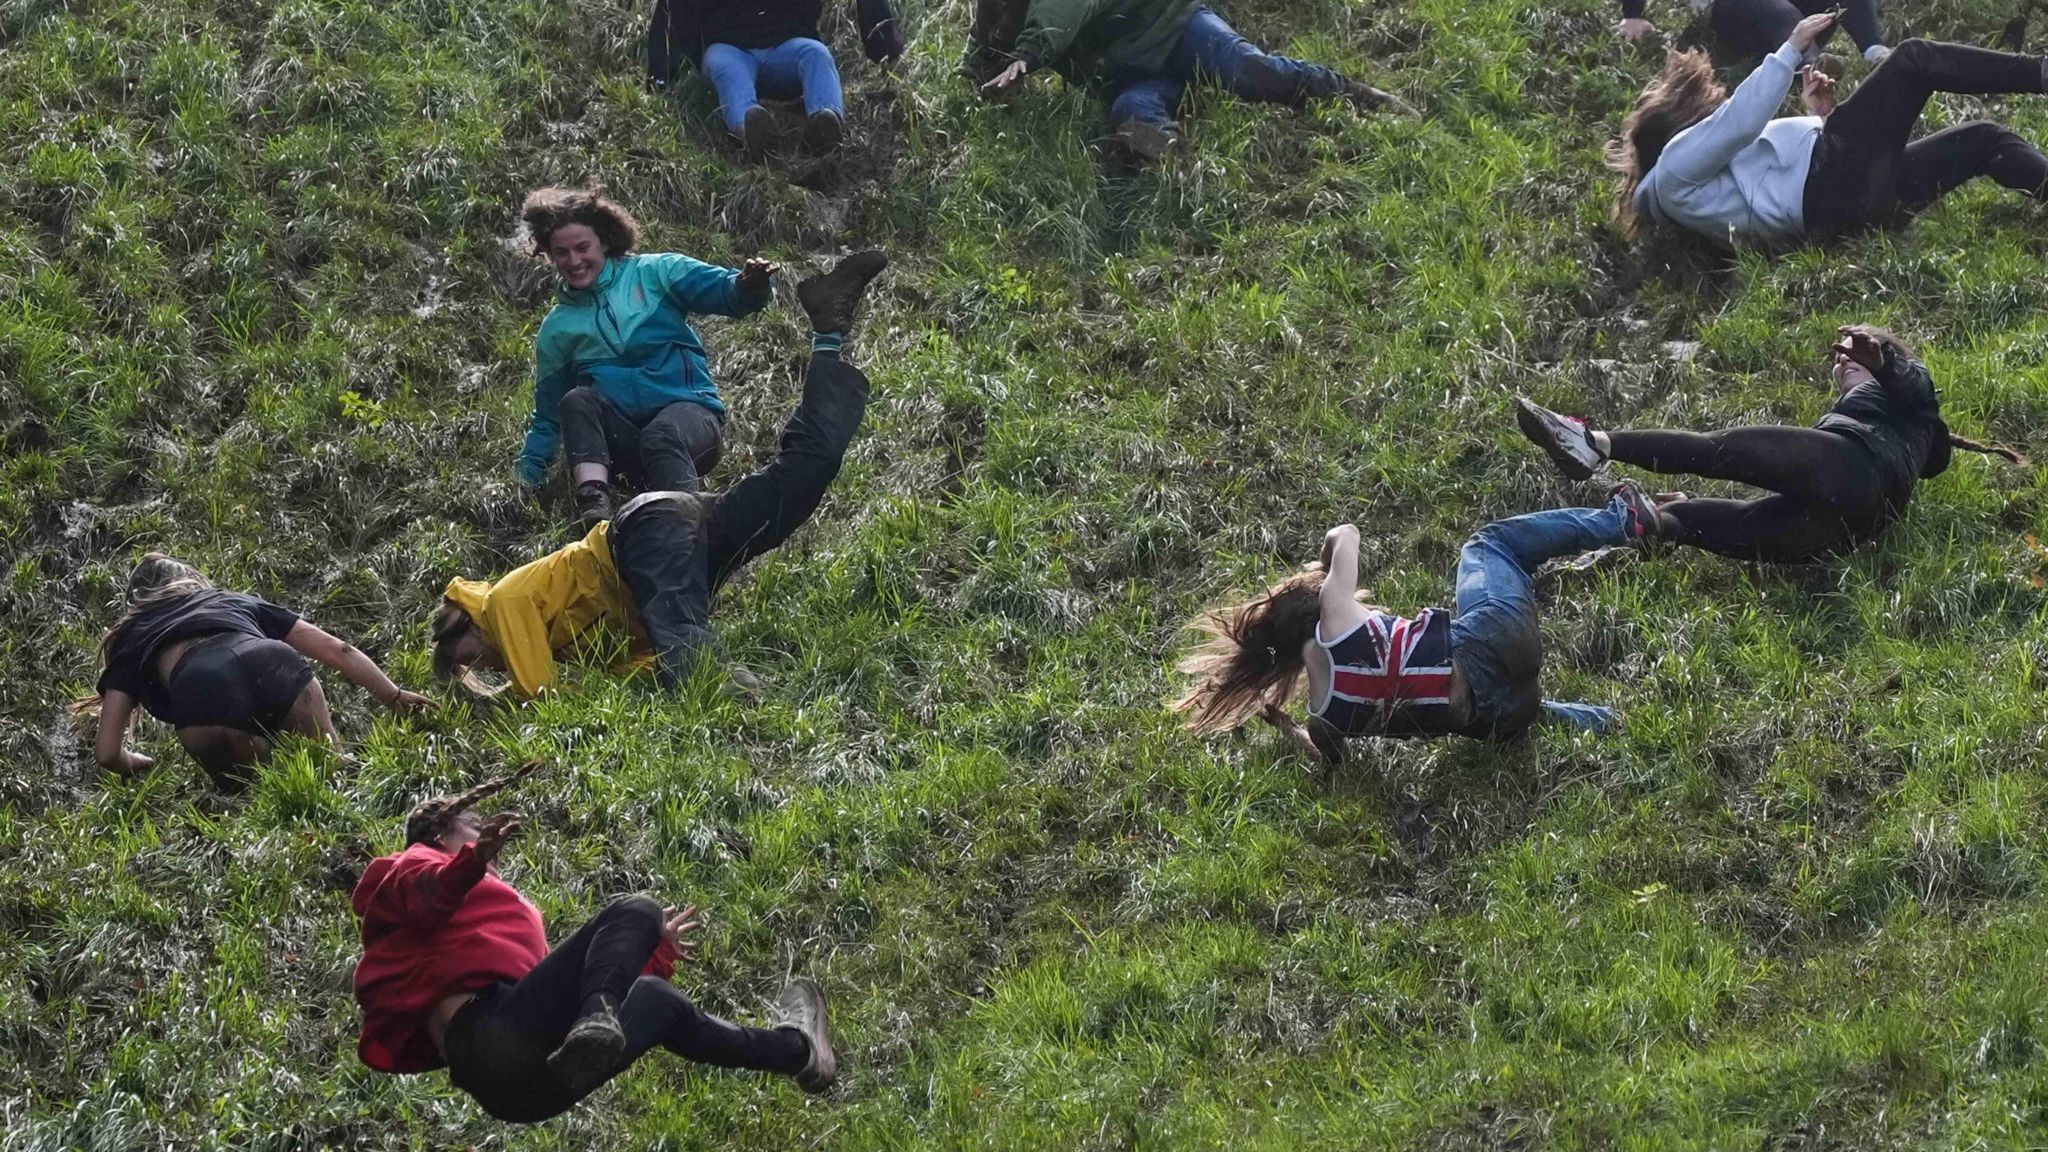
pixel 1866 174
pixel 1829 495
pixel 498 1044
pixel 1755 28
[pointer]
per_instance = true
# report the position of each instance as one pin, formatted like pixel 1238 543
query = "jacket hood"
pixel 469 595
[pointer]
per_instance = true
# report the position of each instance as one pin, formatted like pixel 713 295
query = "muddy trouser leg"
pixel 1210 48
pixel 757 514
pixel 593 428
pixel 659 551
pixel 676 447
pixel 1827 488
pixel 1856 173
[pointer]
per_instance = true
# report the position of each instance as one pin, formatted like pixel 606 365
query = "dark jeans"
pixel 1211 49
pixel 672 560
pixel 1755 28
pixel 498 1044
pixel 670 450
pixel 1865 172
pixel 1829 495
pixel 1497 635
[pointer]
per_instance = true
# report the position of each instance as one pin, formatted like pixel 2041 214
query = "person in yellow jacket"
pixel 650 571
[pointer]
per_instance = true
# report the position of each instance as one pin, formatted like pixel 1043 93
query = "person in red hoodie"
pixel 456 972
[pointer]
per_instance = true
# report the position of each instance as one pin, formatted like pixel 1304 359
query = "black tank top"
pixel 1390 676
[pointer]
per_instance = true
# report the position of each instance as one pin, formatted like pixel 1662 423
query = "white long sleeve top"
pixel 1739 174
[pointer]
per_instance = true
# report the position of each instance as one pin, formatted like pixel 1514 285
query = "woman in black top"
pixel 1835 486
pixel 227 670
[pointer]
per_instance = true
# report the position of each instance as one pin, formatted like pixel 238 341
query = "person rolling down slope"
pixel 1369 672
pixel 1835 486
pixel 651 570
pixel 1752 28
pixel 754 48
pixel 618 372
pixel 457 973
pixel 1692 155
pixel 1147 52
pixel 229 671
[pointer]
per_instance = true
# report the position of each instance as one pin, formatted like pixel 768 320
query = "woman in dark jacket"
pixel 754 48
pixel 1834 486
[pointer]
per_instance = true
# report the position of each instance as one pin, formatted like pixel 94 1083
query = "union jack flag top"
pixel 1390 676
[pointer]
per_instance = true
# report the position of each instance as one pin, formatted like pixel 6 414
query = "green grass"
pixel 257 308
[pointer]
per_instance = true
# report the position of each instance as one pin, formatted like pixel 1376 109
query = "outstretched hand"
pixel 412 702
pixel 1809 31
pixel 678 927
pixel 499 829
pixel 1006 82
pixel 1859 345
pixel 755 274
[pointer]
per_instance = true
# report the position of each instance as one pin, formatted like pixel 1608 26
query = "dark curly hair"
pixel 547 209
pixel 428 822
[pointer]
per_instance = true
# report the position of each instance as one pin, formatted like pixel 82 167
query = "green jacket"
pixel 1085 39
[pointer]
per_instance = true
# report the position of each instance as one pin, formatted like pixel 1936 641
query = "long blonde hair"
pixel 1252 654
pixel 1685 93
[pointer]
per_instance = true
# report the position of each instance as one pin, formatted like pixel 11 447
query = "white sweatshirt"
pixel 1738 174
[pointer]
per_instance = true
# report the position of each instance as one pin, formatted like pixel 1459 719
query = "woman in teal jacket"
pixel 618 373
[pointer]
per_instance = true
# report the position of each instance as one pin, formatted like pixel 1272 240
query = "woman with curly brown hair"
pixel 1727 167
pixel 1369 672
pixel 617 370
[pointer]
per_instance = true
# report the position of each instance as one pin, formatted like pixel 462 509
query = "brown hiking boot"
pixel 823 132
pixel 832 299
pixel 593 503
pixel 1147 141
pixel 591 1052
pixel 758 134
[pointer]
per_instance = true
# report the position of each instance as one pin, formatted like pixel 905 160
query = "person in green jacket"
pixel 1147 52
pixel 618 373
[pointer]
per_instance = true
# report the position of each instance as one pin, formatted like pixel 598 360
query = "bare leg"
pixel 309 716
pixel 225 753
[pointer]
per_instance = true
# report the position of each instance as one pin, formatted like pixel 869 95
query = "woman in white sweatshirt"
pixel 1726 167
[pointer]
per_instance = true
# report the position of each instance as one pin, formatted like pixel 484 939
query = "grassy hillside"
pixel 259 307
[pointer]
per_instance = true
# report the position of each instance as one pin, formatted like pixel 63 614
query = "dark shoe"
pixel 1366 98
pixel 802 1007
pixel 1147 141
pixel 593 503
pixel 591 1052
pixel 1566 439
pixel 758 135
pixel 823 132
pixel 1644 524
pixel 832 298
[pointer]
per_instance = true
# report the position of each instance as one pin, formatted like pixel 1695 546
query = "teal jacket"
pixel 629 337
pixel 1083 39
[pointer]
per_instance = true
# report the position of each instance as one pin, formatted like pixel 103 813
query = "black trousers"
pixel 498 1044
pixel 1828 495
pixel 1867 173
pixel 1755 28
pixel 670 450
pixel 673 561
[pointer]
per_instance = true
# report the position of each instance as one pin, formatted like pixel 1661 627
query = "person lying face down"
pixel 1834 487
pixel 618 372
pixel 1727 167
pixel 650 571
pixel 1369 672
pixel 1145 54
pixel 229 671
pixel 456 972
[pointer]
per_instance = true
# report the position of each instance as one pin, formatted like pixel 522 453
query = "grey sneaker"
pixel 591 1052
pixel 1149 142
pixel 1644 525
pixel 1566 439
pixel 802 1007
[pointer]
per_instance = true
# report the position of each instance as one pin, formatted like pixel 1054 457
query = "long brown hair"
pixel 429 821
pixel 547 209
pixel 1684 94
pixel 450 625
pixel 1252 656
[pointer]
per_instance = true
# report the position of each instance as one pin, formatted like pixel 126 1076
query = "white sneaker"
pixel 1566 439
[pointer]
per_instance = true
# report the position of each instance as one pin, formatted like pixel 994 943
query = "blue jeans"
pixel 801 67
pixel 1212 49
pixel 1495 638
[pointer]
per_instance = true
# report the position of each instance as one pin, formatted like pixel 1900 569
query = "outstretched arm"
pixel 317 644
pixel 1340 607
pixel 1702 151
pixel 109 750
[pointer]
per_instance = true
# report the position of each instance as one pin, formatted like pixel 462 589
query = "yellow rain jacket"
pixel 546 606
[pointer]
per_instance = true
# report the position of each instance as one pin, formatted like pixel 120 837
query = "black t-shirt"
pixel 131 664
pixel 1897 417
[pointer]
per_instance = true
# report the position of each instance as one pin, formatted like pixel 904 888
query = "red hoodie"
pixel 436 925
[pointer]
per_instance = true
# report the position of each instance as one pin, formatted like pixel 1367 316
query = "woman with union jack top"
pixel 1365 671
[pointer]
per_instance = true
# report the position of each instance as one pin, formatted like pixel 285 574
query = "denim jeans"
pixel 1211 49
pixel 498 1043
pixel 801 67
pixel 1496 640
pixel 673 560
pixel 668 451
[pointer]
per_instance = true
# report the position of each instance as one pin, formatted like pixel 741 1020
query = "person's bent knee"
pixel 583 400
pixel 638 906
pixel 806 49
pixel 1909 53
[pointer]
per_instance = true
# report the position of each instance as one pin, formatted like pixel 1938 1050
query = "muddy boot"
pixel 591 1052
pixel 1147 141
pixel 593 503
pixel 758 135
pixel 831 300
pixel 823 132
pixel 801 1008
